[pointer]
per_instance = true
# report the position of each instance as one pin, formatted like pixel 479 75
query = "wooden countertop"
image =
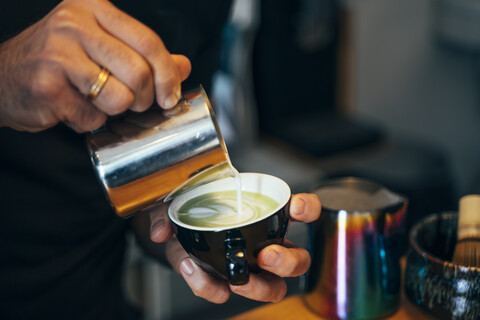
pixel 294 308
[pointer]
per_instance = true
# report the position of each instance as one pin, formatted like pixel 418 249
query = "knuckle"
pixel 141 75
pixel 54 57
pixel 167 80
pixel 120 102
pixel 84 118
pixel 147 43
pixel 43 88
pixel 64 18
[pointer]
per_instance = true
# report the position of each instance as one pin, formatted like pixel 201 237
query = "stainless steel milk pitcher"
pixel 141 158
pixel 356 247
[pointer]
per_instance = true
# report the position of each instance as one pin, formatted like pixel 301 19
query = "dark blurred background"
pixel 314 89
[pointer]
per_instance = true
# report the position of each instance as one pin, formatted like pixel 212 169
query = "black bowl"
pixel 432 281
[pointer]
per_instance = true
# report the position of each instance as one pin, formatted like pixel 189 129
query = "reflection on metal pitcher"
pixel 356 246
pixel 141 157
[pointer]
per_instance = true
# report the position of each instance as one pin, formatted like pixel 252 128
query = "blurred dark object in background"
pixel 456 24
pixel 295 63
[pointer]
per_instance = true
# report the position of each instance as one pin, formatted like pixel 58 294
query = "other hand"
pixel 278 261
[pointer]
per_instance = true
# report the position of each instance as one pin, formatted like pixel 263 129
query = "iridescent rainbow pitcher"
pixel 356 247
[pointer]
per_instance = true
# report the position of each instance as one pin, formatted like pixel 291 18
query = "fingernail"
pixel 271 258
pixel 172 100
pixel 299 206
pixel 178 93
pixel 157 226
pixel 186 267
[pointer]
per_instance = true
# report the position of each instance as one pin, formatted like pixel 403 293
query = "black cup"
pixel 230 253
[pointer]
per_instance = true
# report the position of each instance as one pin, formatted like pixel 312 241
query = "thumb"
pixel 160 227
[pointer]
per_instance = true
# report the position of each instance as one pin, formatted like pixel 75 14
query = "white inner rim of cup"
pixel 265 184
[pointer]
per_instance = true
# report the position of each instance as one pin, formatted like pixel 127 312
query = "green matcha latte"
pixel 219 209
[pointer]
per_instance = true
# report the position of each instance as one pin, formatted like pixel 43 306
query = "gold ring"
pixel 99 83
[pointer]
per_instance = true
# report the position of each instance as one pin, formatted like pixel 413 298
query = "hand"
pixel 47 71
pixel 278 261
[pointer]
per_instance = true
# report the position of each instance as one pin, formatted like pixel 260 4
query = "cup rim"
pixel 426 254
pixel 197 191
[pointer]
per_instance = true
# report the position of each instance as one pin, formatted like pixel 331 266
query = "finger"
pixel 126 65
pixel 183 64
pixel 167 78
pixel 81 116
pixel 113 98
pixel 85 117
pixel 290 261
pixel 262 287
pixel 305 207
pixel 202 285
pixel 64 103
pixel 131 71
pixel 160 226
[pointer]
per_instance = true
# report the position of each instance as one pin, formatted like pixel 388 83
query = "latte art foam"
pixel 219 209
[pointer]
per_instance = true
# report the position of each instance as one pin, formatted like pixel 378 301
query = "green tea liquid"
pixel 219 209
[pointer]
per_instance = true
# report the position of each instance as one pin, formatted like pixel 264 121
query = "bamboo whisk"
pixel 467 249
